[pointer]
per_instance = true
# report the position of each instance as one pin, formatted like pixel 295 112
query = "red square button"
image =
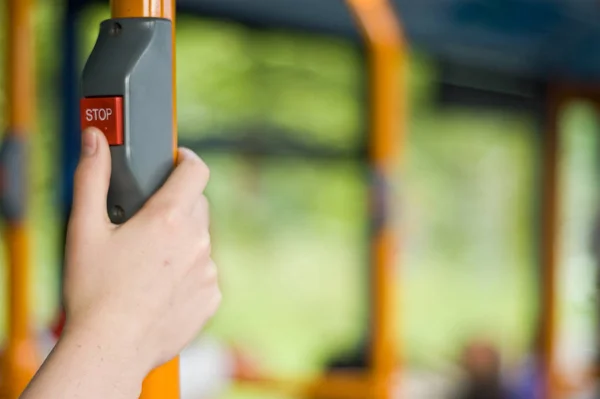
pixel 106 114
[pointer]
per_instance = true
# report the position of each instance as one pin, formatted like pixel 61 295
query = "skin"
pixel 135 295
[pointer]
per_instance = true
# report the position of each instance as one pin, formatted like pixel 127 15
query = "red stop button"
pixel 106 114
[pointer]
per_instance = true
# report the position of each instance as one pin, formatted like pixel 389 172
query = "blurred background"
pixel 274 99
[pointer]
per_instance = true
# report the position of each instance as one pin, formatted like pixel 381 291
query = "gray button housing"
pixel 132 58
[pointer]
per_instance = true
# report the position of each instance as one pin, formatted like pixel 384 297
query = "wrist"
pixel 112 355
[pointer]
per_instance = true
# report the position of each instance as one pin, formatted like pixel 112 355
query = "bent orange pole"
pixel 162 383
pixel 20 359
pixel 386 59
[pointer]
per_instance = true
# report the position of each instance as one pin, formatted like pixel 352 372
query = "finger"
pixel 92 179
pixel 202 276
pixel 186 183
pixel 201 214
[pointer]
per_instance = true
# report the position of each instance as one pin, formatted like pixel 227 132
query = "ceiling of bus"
pixel 540 38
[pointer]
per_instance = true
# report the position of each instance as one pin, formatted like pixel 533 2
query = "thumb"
pixel 92 179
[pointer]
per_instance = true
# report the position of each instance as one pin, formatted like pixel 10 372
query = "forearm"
pixel 84 364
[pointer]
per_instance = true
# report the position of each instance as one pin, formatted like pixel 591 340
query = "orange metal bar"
pixel 550 241
pixel 20 361
pixel 162 383
pixel 559 95
pixel 19 67
pixel 20 356
pixel 143 8
pixel 387 59
pixel 387 68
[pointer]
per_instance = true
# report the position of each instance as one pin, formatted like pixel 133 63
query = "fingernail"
pixel 89 142
pixel 185 153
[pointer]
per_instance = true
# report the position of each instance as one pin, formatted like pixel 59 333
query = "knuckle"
pixel 201 214
pixel 208 277
pixel 199 168
pixel 204 244
pixel 170 216
pixel 205 204
pixel 213 273
pixel 217 298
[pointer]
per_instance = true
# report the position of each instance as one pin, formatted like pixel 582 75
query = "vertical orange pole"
pixel 20 361
pixel 550 240
pixel 386 60
pixel 162 383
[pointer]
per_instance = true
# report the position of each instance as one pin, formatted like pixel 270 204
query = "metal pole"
pixel 70 129
pixel 20 358
pixel 550 240
pixel 387 90
pixel 162 383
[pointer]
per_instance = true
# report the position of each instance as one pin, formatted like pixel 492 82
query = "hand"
pixel 148 286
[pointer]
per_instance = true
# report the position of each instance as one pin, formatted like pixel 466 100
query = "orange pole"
pixel 20 360
pixel 386 57
pixel 550 241
pixel 162 383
